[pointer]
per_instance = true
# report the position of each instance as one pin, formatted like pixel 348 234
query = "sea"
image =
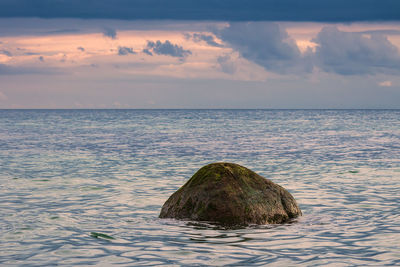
pixel 85 187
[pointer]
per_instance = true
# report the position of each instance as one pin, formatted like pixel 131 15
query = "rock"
pixel 231 194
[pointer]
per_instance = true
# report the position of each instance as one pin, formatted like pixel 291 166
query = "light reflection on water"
pixel 65 174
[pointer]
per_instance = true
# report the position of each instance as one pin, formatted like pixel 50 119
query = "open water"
pixel 67 176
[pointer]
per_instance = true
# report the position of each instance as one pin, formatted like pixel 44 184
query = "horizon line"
pixel 54 109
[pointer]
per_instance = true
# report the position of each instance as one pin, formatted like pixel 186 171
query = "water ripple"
pixel 67 174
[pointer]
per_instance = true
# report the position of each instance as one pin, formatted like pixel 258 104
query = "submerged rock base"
pixel 231 194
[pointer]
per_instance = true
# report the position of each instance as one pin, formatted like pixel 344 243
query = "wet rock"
pixel 231 194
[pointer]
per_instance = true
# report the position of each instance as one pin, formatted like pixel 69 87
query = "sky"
pixel 200 54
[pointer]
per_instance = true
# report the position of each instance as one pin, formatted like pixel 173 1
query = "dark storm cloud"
pixel 346 53
pixel 111 33
pixel 166 48
pixel 123 51
pixel 223 10
pixel 266 44
pixel 349 53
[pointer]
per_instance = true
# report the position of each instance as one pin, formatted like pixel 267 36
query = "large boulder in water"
pixel 231 194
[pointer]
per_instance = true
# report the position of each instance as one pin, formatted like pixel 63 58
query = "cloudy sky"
pixel 199 54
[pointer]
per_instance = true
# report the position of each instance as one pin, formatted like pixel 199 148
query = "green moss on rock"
pixel 231 194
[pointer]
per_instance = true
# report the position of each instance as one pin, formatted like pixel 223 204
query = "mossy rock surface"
pixel 231 194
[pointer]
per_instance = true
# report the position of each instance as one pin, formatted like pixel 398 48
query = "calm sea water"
pixel 67 173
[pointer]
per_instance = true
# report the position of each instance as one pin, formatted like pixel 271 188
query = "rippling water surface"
pixel 65 174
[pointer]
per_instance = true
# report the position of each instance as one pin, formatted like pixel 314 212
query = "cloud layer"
pixel 223 10
pixel 202 65
pixel 236 50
